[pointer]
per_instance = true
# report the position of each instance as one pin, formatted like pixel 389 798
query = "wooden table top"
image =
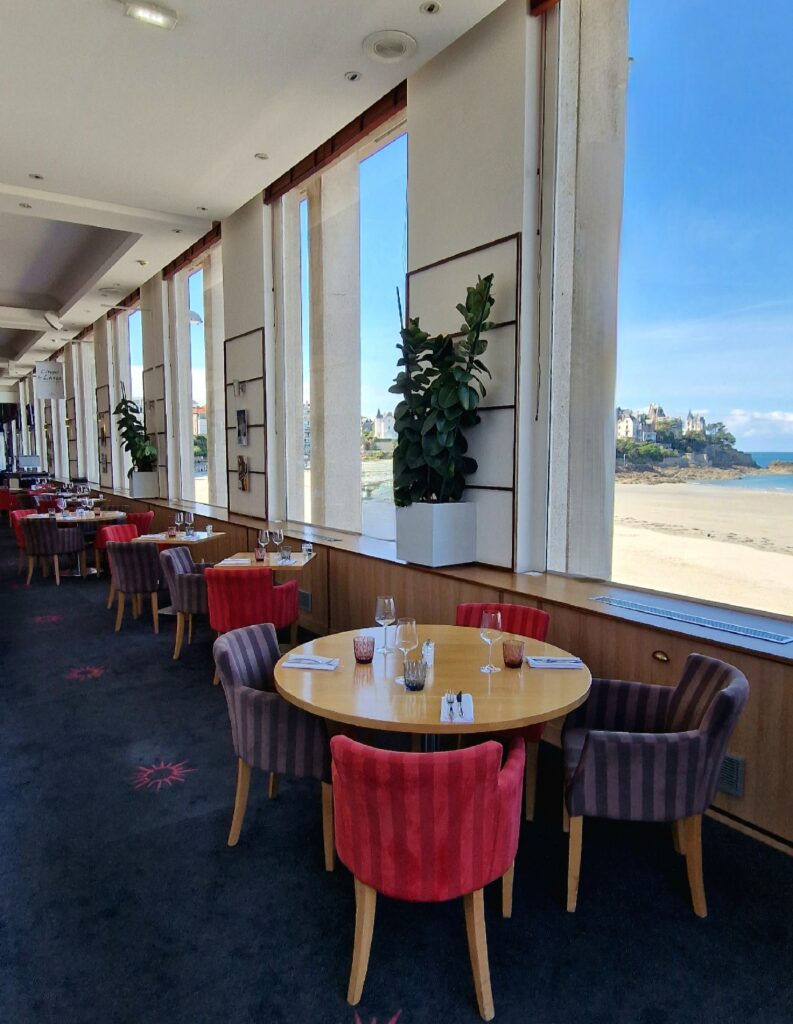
pixel 366 695
pixel 71 519
pixel 247 560
pixel 180 540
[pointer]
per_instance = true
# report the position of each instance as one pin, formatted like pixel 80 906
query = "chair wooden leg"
pixel 216 678
pixel 155 611
pixel 190 628
pixel 83 563
pixel 272 785
pixel 565 813
pixel 692 844
pixel 293 634
pixel 365 904
pixel 98 559
pixel 506 891
pixel 477 950
pixel 530 779
pixel 31 567
pixel 111 593
pixel 678 836
pixel 177 649
pixel 56 565
pixel 120 612
pixel 240 800
pixel 574 861
pixel 328 837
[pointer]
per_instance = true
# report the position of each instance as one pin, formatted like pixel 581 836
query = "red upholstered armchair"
pixel 531 623
pixel 142 520
pixel 8 501
pixel 427 827
pixel 16 516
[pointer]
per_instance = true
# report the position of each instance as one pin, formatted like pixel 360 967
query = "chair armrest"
pixel 284 598
pixel 618 704
pixel 640 776
pixel 510 793
pixel 271 734
pixel 191 593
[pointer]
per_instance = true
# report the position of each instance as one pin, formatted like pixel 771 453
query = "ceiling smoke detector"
pixel 430 7
pixel 389 46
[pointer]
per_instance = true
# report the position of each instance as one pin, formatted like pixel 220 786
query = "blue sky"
pixel 706 277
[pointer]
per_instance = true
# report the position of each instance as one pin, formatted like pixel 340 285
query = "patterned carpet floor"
pixel 120 901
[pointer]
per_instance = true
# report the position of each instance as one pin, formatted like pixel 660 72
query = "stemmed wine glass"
pixel 188 522
pixel 384 615
pixel 178 521
pixel 277 536
pixel 406 638
pixel 60 504
pixel 264 538
pixel 490 632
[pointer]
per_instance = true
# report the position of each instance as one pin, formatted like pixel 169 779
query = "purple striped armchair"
pixel 44 539
pixel 188 589
pixel 638 752
pixel 136 571
pixel 267 732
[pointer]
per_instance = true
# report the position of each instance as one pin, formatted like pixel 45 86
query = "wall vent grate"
pixel 696 620
pixel 731 776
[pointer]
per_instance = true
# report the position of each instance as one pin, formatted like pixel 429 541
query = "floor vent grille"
pixel 697 620
pixel 731 776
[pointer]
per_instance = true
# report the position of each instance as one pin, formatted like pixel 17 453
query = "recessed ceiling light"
pixel 352 76
pixel 261 156
pixel 152 14
pixel 430 7
pixel 389 46
pixel 36 177
pixel 26 206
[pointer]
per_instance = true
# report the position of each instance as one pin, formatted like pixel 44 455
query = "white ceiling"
pixel 133 128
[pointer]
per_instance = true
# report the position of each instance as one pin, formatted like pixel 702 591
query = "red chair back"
pixel 515 618
pixel 427 827
pixel 46 504
pixel 8 501
pixel 247 597
pixel 142 520
pixel 105 534
pixel 17 515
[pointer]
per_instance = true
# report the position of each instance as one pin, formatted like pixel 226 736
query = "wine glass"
pixel 263 541
pixel 277 536
pixel 60 504
pixel 188 518
pixel 384 615
pixel 490 632
pixel 406 637
pixel 178 521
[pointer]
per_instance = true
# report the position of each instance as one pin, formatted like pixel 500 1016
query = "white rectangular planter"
pixel 430 534
pixel 144 485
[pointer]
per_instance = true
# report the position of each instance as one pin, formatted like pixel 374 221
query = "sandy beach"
pixel 723 544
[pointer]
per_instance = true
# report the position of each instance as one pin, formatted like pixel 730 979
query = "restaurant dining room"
pixel 396 489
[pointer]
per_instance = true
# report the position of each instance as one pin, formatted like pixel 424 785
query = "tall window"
pixel 344 255
pixel 135 332
pixel 198 381
pixel 704 424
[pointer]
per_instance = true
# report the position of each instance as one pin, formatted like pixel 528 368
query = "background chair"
pixel 16 515
pixel 531 623
pixel 45 539
pixel 638 752
pixel 188 590
pixel 45 502
pixel 113 534
pixel 410 862
pixel 247 597
pixel 136 571
pixel 268 732
pixel 142 520
pixel 8 501
pixel 103 535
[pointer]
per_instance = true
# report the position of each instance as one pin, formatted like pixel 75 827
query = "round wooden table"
pixel 71 519
pixel 368 696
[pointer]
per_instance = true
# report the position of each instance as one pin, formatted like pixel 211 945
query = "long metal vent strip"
pixel 696 620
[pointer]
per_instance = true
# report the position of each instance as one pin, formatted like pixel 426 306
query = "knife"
pixel 460 702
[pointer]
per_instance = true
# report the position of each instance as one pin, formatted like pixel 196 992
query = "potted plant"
pixel 143 478
pixel 441 384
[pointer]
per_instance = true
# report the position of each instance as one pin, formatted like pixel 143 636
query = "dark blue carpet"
pixel 124 904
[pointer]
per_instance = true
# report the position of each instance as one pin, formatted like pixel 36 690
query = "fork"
pixel 449 697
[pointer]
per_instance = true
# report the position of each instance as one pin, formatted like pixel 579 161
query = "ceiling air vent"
pixel 389 46
pixel 731 776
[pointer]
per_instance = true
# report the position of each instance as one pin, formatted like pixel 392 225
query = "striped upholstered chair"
pixel 16 515
pixel 651 753
pixel 533 624
pixel 188 589
pixel 136 571
pixel 427 828
pixel 45 539
pixel 108 535
pixel 268 732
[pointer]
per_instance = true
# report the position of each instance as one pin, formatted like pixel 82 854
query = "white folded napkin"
pixel 554 662
pixel 286 561
pixel 468 710
pixel 236 561
pixel 311 663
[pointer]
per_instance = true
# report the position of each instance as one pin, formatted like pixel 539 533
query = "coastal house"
pixel 271 167
pixel 695 424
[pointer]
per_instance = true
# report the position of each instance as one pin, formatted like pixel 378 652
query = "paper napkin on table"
pixel 235 561
pixel 311 663
pixel 554 662
pixel 468 710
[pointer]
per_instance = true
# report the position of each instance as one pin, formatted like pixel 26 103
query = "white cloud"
pixel 759 424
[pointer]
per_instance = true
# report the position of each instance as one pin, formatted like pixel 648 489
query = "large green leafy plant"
pixel 133 433
pixel 441 384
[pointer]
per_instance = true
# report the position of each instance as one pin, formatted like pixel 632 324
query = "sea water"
pixel 764 481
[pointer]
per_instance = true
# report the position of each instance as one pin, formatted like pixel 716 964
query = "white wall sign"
pixel 48 381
